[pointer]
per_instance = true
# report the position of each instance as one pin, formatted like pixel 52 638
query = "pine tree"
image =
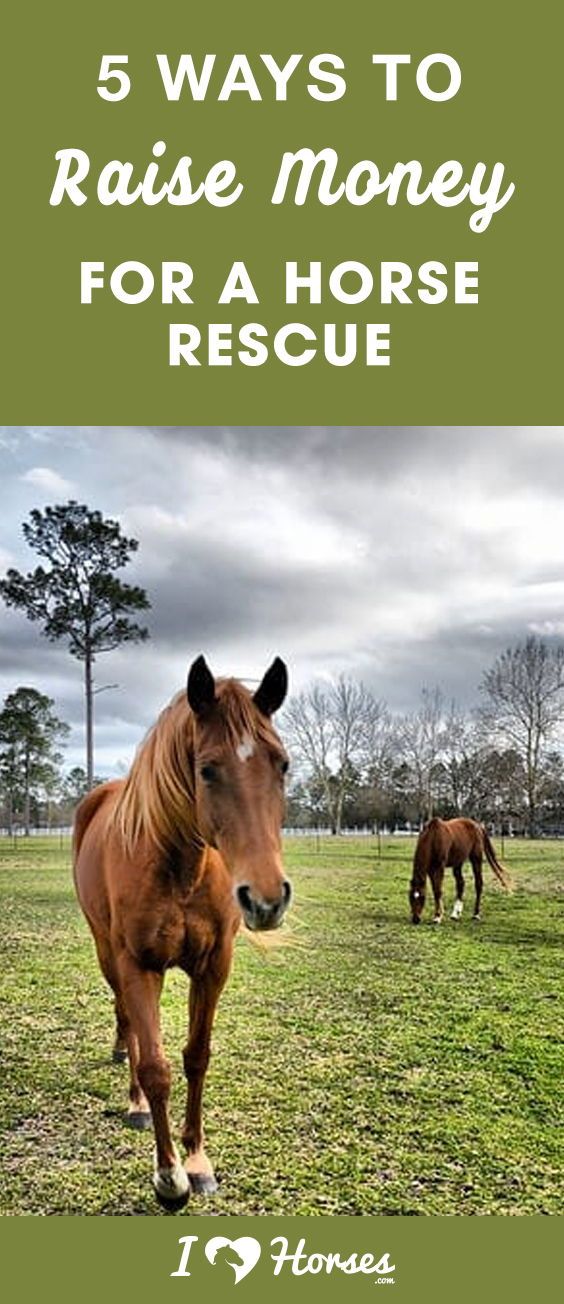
pixel 77 596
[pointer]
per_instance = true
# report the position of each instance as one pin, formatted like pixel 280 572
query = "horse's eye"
pixel 208 773
pixel 284 766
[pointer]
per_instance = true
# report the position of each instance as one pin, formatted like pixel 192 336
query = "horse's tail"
pixel 498 869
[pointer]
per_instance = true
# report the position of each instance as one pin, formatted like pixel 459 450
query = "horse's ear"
pixel 272 690
pixel 200 687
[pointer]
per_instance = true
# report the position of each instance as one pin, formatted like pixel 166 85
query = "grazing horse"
pixel 167 863
pixel 445 843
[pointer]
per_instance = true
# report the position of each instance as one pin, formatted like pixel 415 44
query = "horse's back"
pixel 88 807
pixel 90 827
pixel 449 841
pixel 467 835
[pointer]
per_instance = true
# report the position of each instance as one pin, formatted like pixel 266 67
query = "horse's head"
pixel 417 902
pixel 239 765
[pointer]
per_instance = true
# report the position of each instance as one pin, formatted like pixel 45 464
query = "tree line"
pixel 357 764
pixel 35 791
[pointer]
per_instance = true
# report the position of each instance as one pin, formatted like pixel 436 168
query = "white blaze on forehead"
pixel 246 748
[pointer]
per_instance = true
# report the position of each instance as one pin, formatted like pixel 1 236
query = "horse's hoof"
pixel 202 1183
pixel 172 1187
pixel 119 1056
pixel 477 919
pixel 139 1120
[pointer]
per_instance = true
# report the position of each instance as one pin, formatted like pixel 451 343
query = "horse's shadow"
pixel 485 930
pixel 530 937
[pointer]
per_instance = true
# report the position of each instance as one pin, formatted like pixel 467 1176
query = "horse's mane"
pixel 157 801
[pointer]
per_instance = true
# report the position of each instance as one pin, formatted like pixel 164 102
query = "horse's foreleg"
pixel 437 876
pixel 141 992
pixel 139 1111
pixel 479 883
pixel 126 1046
pixel 459 902
pixel 119 1052
pixel 107 965
pixel 204 995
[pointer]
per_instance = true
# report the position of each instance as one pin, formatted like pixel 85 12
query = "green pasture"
pixel 368 1068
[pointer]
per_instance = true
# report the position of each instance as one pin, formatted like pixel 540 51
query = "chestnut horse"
pixel 167 863
pixel 445 843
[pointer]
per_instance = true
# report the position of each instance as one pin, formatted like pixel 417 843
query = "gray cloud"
pixel 405 555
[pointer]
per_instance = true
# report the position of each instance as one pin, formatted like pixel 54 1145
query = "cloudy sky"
pixel 408 556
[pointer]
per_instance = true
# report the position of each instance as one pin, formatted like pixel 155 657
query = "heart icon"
pixel 245 1249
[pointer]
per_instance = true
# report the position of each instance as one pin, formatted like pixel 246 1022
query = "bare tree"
pixel 331 730
pixel 462 747
pixel 421 736
pixel 524 705
pixel 381 755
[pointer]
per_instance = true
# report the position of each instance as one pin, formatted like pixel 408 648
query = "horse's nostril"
pixel 244 898
pixel 286 892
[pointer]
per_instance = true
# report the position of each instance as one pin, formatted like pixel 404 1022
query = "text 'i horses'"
pixel 166 863
pixel 446 844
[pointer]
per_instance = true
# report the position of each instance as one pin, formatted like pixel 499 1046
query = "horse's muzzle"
pixel 259 914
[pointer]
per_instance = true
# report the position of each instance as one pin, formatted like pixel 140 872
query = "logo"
pixel 245 1253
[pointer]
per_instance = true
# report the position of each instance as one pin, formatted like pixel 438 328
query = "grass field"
pixel 372 1068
